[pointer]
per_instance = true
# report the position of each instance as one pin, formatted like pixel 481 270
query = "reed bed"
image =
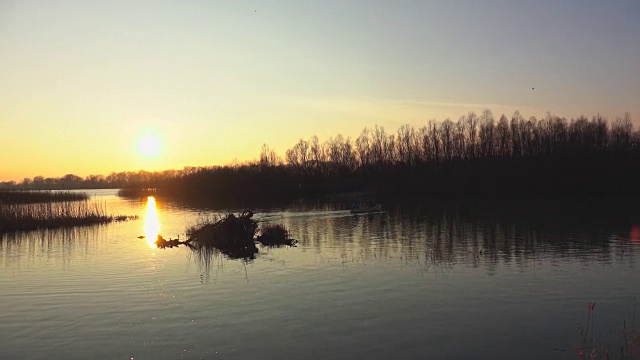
pixel 591 346
pixel 16 217
pixel 32 197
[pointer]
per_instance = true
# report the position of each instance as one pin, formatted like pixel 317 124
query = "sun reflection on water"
pixel 151 222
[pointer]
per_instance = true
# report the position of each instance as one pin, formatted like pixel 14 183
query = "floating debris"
pixel 125 217
pixel 163 243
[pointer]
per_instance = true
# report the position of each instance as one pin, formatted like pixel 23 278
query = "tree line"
pixel 472 137
pixel 476 155
pixel 473 155
pixel 114 180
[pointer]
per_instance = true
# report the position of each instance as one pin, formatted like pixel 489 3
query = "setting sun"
pixel 149 146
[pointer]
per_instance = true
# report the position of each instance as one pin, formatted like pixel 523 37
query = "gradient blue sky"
pixel 82 81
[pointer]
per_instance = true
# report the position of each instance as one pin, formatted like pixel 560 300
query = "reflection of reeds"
pixel 14 217
pixel 31 197
pixel 204 256
pixel 67 242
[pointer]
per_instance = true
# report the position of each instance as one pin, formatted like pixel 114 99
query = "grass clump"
pixel 275 235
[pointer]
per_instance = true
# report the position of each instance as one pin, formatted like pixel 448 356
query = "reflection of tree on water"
pixel 441 236
pixel 61 244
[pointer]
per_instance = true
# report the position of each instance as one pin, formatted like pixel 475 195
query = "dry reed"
pixel 16 217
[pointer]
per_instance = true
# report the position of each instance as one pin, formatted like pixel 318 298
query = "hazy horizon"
pixel 93 88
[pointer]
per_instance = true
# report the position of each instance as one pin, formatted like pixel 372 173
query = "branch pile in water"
pixel 234 236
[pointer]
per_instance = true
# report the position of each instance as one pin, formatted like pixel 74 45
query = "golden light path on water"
pixel 151 222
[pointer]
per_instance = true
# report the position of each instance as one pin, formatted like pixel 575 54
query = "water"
pixel 412 282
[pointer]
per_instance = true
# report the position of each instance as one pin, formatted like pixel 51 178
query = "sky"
pixel 84 83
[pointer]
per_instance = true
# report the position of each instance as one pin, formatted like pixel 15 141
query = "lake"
pixel 445 281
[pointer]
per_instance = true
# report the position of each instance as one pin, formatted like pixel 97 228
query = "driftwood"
pixel 163 243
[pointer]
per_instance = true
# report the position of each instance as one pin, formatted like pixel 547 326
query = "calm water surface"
pixel 407 283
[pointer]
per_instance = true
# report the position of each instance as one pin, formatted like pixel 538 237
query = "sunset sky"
pixel 83 83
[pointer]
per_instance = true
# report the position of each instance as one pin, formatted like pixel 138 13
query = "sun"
pixel 149 146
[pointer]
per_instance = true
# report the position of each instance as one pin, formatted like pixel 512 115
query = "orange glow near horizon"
pixel 88 89
pixel 151 222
